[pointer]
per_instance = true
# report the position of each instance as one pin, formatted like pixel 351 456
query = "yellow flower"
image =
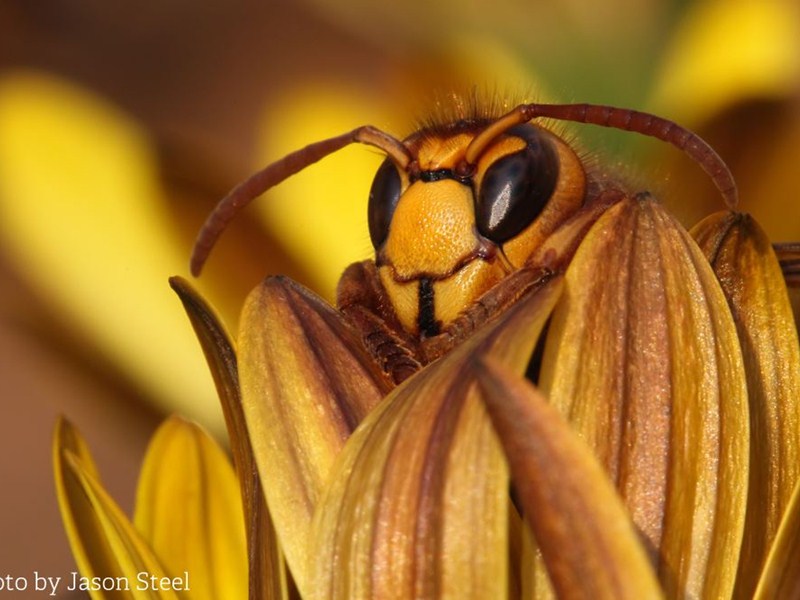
pixel 187 534
pixel 642 356
pixel 669 378
pixel 744 97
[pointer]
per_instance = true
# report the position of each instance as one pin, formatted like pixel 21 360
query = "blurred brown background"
pixel 197 77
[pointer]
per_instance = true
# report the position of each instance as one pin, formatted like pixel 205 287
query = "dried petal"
pixel 267 572
pixel 189 509
pixel 587 540
pixel 418 502
pixel 743 260
pixel 643 359
pixel 306 384
pixel 103 540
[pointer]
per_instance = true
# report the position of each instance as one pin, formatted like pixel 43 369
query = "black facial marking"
pixel 426 319
pixel 439 174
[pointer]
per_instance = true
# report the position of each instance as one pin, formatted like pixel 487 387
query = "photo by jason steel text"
pixel 53 584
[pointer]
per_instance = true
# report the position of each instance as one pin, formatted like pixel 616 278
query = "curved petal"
pixel 306 383
pixel 104 542
pixel 587 539
pixel 643 359
pixel 189 509
pixel 743 260
pixel 267 570
pixel 418 502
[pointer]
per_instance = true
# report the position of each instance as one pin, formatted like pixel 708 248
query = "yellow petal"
pixel 103 540
pixel 267 575
pixel 743 259
pixel 587 539
pixel 189 509
pixel 82 214
pixel 418 502
pixel 643 359
pixel 306 383
pixel 320 215
pixel 780 577
pixel 726 50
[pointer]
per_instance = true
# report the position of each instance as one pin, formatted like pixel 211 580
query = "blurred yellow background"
pixel 119 130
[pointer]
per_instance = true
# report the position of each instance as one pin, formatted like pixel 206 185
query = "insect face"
pixel 445 234
pixel 465 217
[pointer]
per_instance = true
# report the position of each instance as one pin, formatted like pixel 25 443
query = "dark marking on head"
pixel 426 320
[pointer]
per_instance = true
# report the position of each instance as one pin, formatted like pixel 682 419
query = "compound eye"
pixel 383 197
pixel 515 189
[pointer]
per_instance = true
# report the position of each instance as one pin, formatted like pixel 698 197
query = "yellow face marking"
pixel 451 295
pixel 432 230
pixel 454 294
pixel 405 298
